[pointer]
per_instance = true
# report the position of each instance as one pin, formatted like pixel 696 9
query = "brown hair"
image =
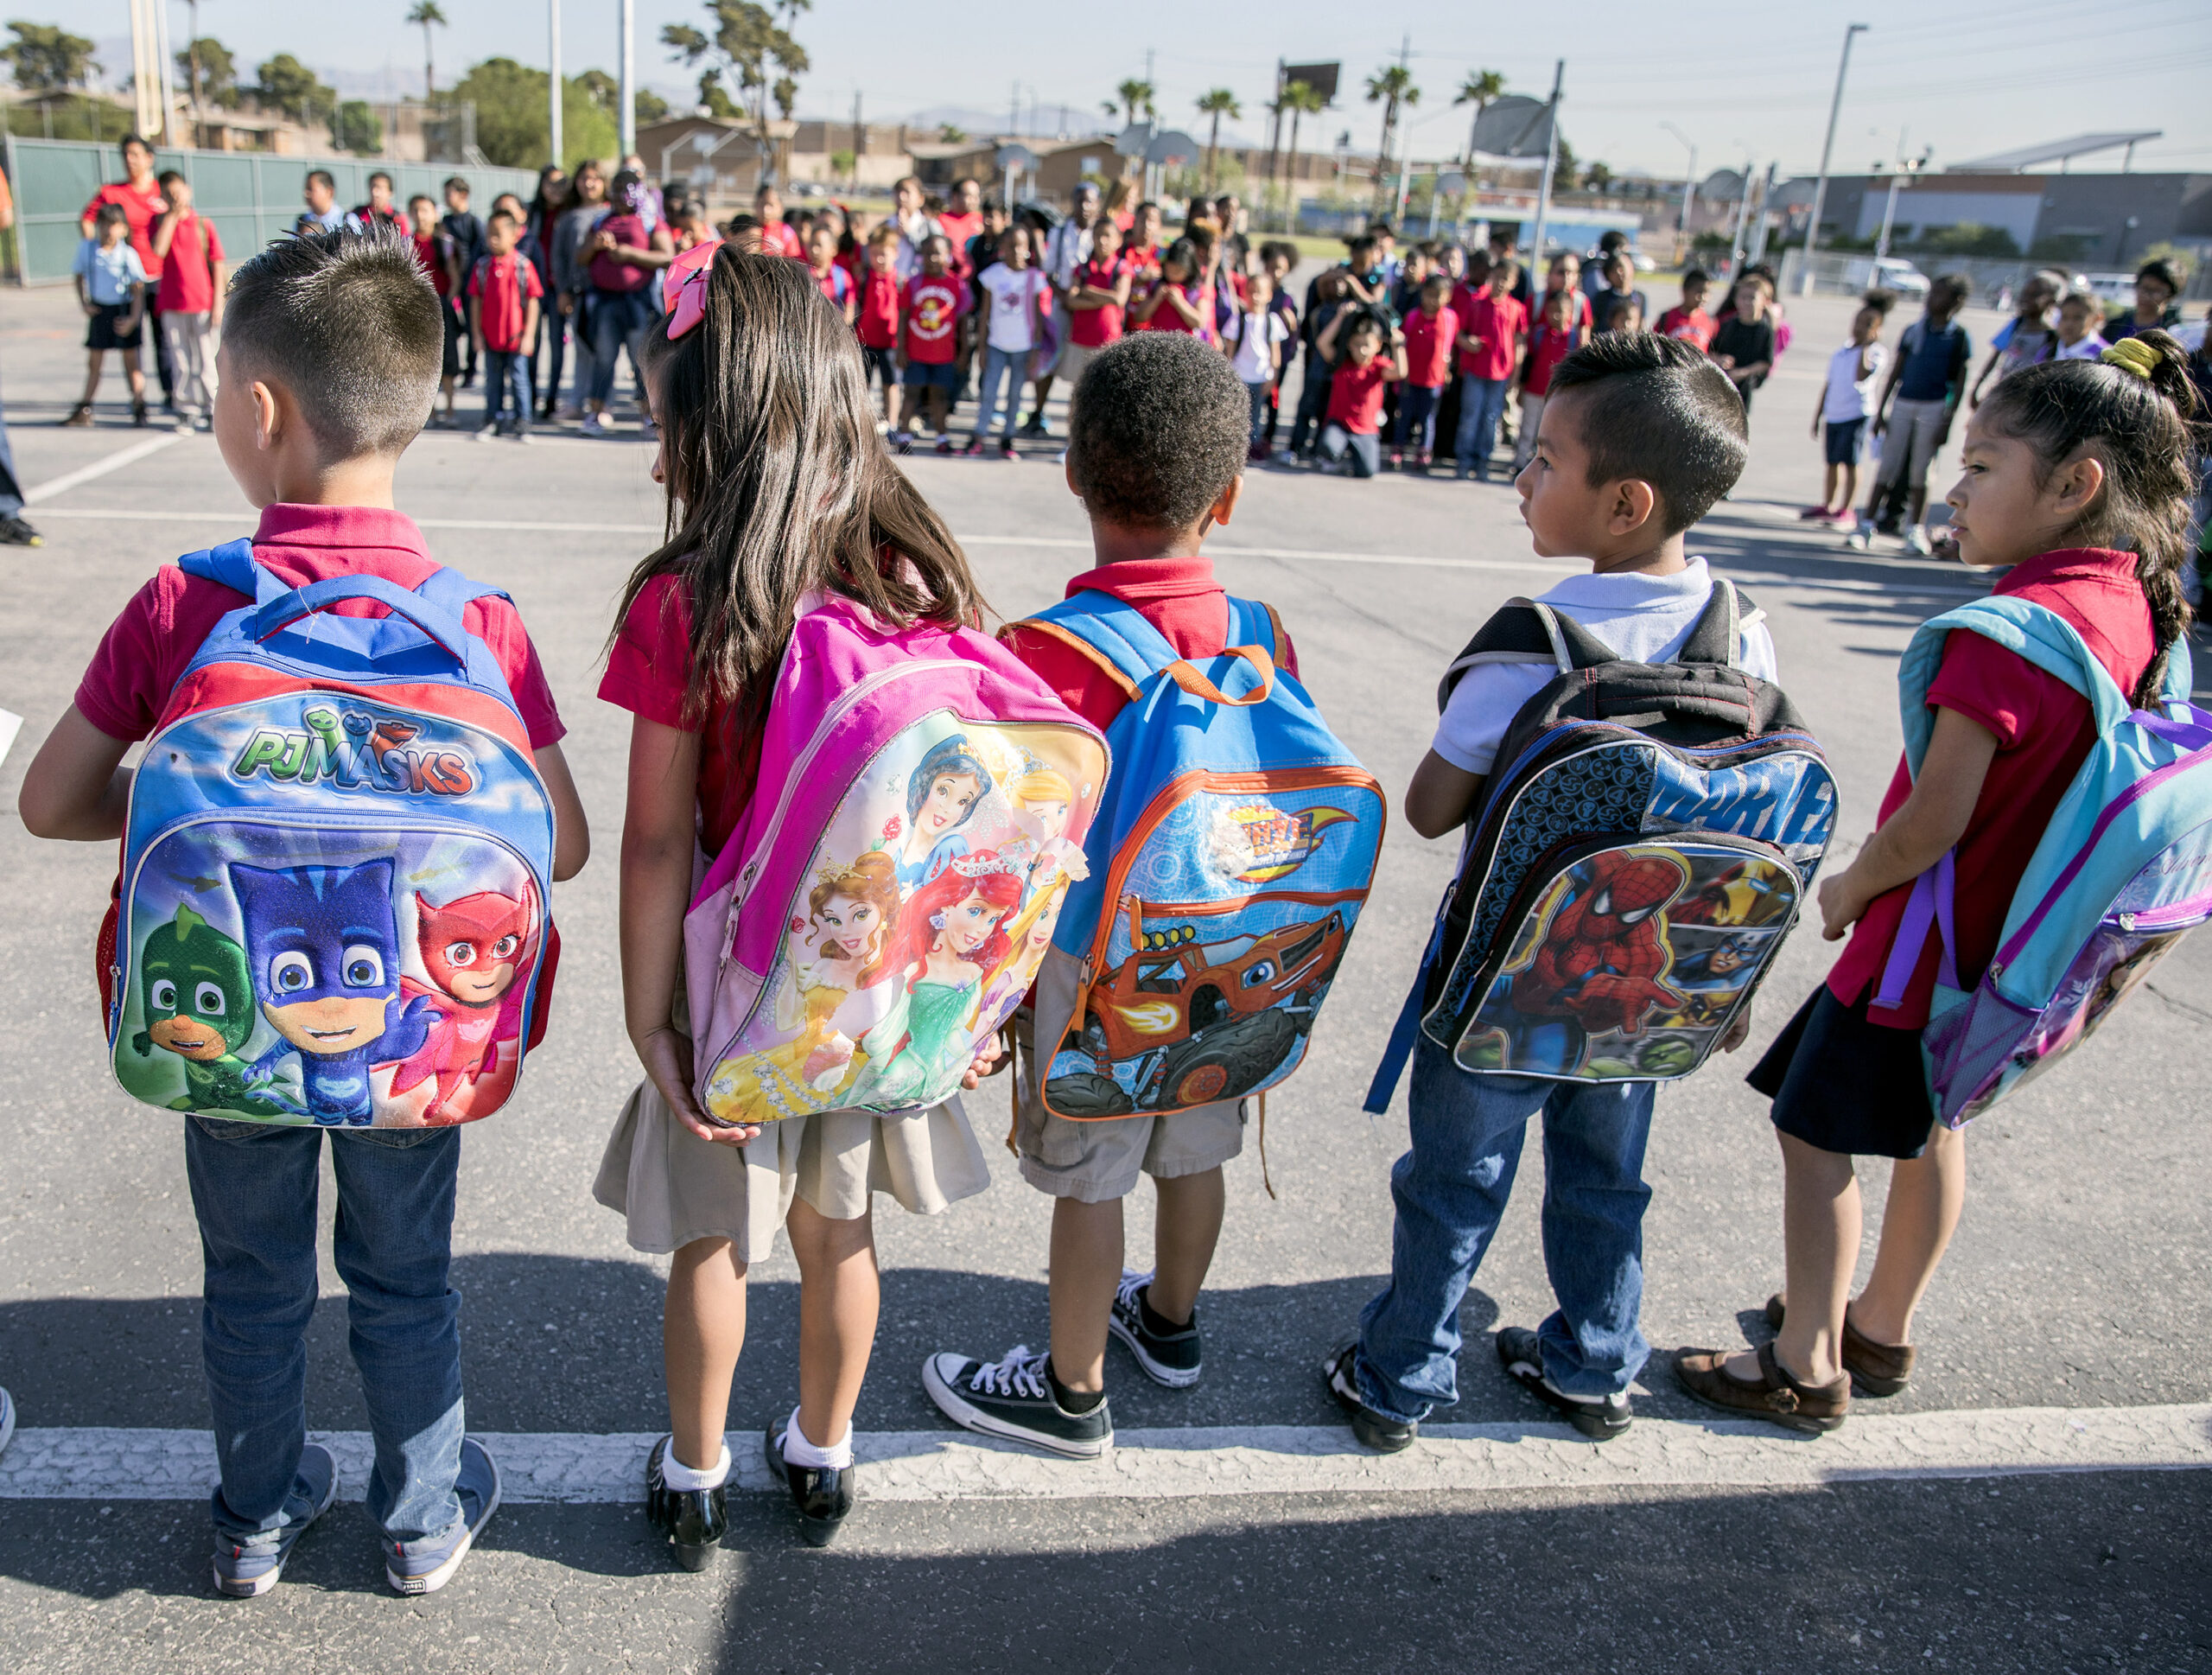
pixel 873 878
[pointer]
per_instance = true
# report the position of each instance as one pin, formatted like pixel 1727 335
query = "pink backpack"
pixel 883 904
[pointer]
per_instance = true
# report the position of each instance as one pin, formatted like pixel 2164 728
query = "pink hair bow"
pixel 685 287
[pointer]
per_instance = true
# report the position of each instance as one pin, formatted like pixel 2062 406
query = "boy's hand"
pixel 667 1059
pixel 1842 905
pixel 1816 427
pixel 1739 1032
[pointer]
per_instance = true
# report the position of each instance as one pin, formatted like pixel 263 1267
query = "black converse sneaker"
pixel 1599 1418
pixel 1013 1398
pixel 1170 1355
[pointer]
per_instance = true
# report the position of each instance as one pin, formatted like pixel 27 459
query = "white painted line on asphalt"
pixel 579 1468
pixel 115 461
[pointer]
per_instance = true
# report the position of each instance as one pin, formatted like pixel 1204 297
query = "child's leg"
pixel 838 1297
pixel 1822 1216
pixel 1594 1197
pixel 1849 498
pixel 1524 448
pixel 1335 439
pixel 1927 1194
pixel 1185 1228
pixel 137 376
pixel 95 359
pixel 1086 1269
pixel 1829 477
pixel 1471 419
pixel 393 1247
pixel 1366 455
pixel 702 1332
pixel 940 407
pixel 253 1190
pixel 1044 387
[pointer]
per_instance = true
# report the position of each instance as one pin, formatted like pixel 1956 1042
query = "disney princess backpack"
pixel 333 904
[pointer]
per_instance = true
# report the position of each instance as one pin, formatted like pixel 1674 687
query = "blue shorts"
pixel 933 375
pixel 1846 442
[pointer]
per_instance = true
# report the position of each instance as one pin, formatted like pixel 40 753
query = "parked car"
pixel 1890 274
pixel 2110 287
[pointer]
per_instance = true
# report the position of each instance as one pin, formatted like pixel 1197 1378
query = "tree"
pixel 357 129
pixel 1565 173
pixel 429 16
pixel 951 134
pixel 713 100
pixel 751 47
pixel 649 106
pixel 1218 103
pixel 216 78
pixel 841 164
pixel 511 113
pixel 1482 89
pixel 1301 98
pixel 1136 97
pixel 284 85
pixel 1393 88
pixel 1597 176
pixel 48 59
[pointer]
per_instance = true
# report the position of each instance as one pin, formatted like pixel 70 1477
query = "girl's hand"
pixel 667 1058
pixel 986 1064
pixel 1724 361
pixel 1843 903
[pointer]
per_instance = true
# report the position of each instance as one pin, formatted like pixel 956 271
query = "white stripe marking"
pixel 578 1467
pixel 1049 543
pixel 115 461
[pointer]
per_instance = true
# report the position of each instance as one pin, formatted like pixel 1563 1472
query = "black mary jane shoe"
pixel 823 1494
pixel 692 1520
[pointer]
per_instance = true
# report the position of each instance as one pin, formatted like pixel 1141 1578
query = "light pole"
pixel 1828 148
pixel 1898 171
pixel 628 119
pixel 553 50
pixel 1551 164
pixel 1689 185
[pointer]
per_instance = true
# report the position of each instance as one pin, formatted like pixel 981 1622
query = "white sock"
pixel 800 1452
pixel 683 1479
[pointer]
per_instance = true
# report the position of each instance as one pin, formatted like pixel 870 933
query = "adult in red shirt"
pixel 140 195
pixel 777 237
pixel 1489 351
pixel 1431 330
pixel 964 218
pixel 189 294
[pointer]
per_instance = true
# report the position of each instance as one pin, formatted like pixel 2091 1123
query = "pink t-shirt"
pixel 144 652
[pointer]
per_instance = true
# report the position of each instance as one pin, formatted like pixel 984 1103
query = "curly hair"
pixel 1161 427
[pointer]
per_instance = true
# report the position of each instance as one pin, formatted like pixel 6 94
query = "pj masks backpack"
pixel 333 902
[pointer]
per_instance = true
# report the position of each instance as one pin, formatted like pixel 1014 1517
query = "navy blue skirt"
pixel 1845 1083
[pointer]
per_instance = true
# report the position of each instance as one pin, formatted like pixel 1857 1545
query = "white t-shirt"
pixel 1646 619
pixel 1010 293
pixel 1851 397
pixel 2087 349
pixel 1254 359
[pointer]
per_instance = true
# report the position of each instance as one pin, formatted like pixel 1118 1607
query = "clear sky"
pixel 1967 77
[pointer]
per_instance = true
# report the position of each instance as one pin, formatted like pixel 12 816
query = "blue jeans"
pixel 1313 405
pixel 1417 415
pixel 1365 448
pixel 254 1188
pixel 506 376
pixel 1451 1189
pixel 1000 365
pixel 1481 405
pixel 1262 406
pixel 12 487
pixel 620 320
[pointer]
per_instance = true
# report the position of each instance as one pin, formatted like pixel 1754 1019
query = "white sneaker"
pixel 594 426
pixel 525 438
pixel 1859 540
pixel 1915 540
pixel 483 433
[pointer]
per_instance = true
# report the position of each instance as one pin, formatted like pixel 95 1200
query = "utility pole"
pixel 1827 149
pixel 860 139
pixel 1551 164
pixel 629 93
pixel 1274 128
pixel 1689 186
pixel 168 75
pixel 556 85
pixel 1757 249
pixel 1743 218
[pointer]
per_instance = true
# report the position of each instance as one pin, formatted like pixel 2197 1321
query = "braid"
pixel 2170 616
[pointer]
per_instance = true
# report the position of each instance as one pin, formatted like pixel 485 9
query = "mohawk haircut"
pixel 1655 410
pixel 349 324
pixel 1161 427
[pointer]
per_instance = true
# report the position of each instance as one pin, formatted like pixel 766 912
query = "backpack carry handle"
pixel 1187 676
pixel 440 625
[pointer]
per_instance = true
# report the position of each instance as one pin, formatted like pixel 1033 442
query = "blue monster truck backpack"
pixel 1227 865
pixel 1644 843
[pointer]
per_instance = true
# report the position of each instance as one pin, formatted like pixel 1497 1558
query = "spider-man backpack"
pixel 1645 842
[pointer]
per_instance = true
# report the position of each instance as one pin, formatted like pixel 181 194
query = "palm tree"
pixel 1218 103
pixel 1135 96
pixel 1393 88
pixel 430 16
pixel 1481 89
pixel 1301 98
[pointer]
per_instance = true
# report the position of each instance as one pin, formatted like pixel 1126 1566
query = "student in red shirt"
pixel 1490 352
pixel 312 422
pixel 962 220
pixel 504 297
pixel 379 211
pixel 1144 251
pixel 2067 466
pixel 936 301
pixel 139 196
pixel 189 296
pixel 1554 338
pixel 1687 318
pixel 778 238
pixel 834 284
pixel 1431 331
pixel 881 297
pixel 1180 300
pixel 435 254
pixel 1363 367
pixel 1097 298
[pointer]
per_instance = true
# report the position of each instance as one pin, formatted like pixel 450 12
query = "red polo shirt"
pixel 503 287
pixel 2044 729
pixel 144 652
pixel 141 208
pixel 1178 595
pixel 188 272
pixel 1429 338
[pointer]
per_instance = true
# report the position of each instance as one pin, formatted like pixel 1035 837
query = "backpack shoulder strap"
pixel 449 589
pixel 2034 633
pixel 1528 631
pixel 1717 636
pixel 233 566
pixel 1253 622
pixel 1112 634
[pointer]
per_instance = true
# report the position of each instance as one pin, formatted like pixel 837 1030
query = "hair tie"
pixel 2133 354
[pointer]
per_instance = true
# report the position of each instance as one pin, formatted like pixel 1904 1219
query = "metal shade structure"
pixel 1011 157
pixel 1172 146
pixel 1132 140
pixel 1514 129
pixel 1321 78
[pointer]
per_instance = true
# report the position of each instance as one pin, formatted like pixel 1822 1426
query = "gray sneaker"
pixel 7 1420
pixel 423 1567
pixel 249 1569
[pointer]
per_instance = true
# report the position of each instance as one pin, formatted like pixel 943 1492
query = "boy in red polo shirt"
pixel 1431 331
pixel 1490 352
pixel 504 293
pixel 777 236
pixel 935 300
pixel 1156 446
pixel 437 255
pixel 1687 318
pixel 830 277
pixel 312 414
pixel 188 298
pixel 881 299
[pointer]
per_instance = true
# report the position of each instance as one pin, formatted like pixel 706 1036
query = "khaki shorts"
pixel 1096 1161
pixel 1074 357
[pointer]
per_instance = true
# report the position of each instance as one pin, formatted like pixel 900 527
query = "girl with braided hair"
pixel 2077 481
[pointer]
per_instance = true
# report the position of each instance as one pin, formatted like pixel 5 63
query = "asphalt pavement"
pixel 2076 1281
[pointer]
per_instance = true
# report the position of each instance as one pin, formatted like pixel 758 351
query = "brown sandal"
pixel 1878 1369
pixel 1778 1398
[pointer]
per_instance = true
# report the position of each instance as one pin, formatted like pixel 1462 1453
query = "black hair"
pixel 743 230
pixel 1655 410
pixel 349 324
pixel 777 483
pixel 1960 286
pixel 168 174
pixel 1185 254
pixel 1610 239
pixel 108 216
pixel 2140 429
pixel 1359 244
pixel 1161 426
pixel 1880 301
pixel 322 175
pixel 380 174
pixel 456 183
pixel 1695 277
pixel 2159 269
pixel 138 140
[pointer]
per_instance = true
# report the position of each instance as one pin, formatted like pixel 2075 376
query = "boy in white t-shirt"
pixel 1011 295
pixel 1254 342
pixel 1640 434
pixel 1844 407
pixel 2081 317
